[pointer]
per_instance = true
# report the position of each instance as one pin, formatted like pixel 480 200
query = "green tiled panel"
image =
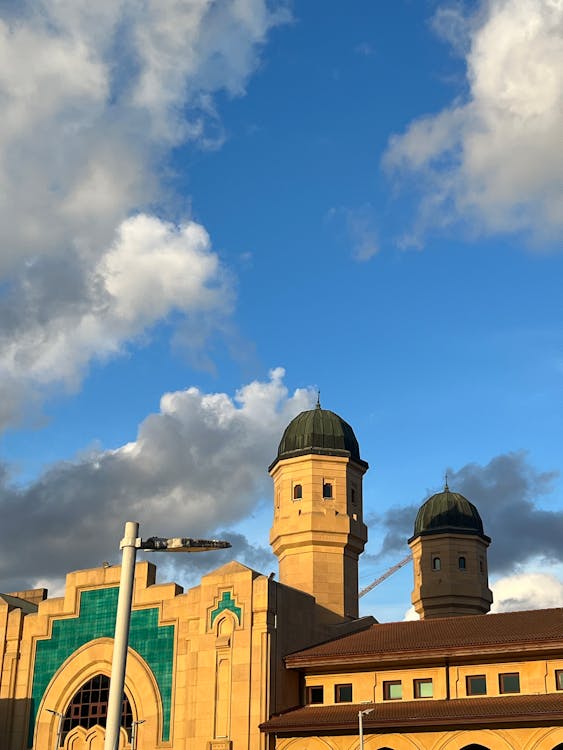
pixel 226 602
pixel 97 620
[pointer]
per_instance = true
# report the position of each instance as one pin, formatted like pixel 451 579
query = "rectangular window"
pixel 392 690
pixel 509 682
pixel 343 693
pixel 423 688
pixel 559 679
pixel 315 694
pixel 476 684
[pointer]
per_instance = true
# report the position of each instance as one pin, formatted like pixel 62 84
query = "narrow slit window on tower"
pixel 327 490
pixel 297 492
pixel 436 563
pixel 353 496
pixel 461 563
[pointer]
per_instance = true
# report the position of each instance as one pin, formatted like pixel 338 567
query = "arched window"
pixel 90 707
pixel 297 492
pixel 474 746
pixel 461 563
pixel 327 490
pixel 436 563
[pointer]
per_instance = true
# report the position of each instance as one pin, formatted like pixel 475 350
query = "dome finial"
pixel 318 399
pixel 446 488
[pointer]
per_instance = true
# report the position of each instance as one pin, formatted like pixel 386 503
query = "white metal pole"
pixel 128 545
pixel 361 728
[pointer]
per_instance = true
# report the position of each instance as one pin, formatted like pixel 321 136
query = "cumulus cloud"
pixel 94 95
pixel 492 159
pixel 506 492
pixel 527 591
pixel 197 465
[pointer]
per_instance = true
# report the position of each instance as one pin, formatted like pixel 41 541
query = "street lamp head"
pixel 365 712
pixel 182 544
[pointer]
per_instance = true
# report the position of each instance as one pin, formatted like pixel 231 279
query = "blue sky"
pixel 211 211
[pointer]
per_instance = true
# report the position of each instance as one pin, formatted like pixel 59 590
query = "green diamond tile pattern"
pixel 226 602
pixel 154 643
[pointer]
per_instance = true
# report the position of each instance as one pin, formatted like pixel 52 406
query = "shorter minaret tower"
pixel 449 550
pixel 318 531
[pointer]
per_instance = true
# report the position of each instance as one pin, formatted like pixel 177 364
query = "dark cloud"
pixel 506 492
pixel 196 467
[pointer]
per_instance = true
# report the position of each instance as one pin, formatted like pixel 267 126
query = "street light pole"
pixel 59 726
pixel 129 546
pixel 361 715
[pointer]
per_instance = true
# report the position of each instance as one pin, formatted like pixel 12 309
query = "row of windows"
pixel 461 564
pixel 327 491
pixel 509 682
pixel 392 690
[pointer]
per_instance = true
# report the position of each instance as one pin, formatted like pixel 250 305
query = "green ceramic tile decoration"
pixel 226 602
pixel 154 643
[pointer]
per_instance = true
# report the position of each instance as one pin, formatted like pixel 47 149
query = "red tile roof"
pixel 533 631
pixel 514 709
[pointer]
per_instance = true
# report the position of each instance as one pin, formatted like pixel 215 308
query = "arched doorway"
pixel 474 746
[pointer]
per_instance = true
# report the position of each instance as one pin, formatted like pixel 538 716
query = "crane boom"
pixel 386 575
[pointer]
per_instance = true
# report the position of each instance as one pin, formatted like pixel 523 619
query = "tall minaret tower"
pixel 318 531
pixel 449 550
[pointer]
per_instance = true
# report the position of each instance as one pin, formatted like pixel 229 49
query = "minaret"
pixel 449 552
pixel 318 531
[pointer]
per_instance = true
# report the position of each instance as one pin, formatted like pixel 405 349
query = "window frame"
pixel 330 494
pixel 559 679
pixel 309 695
pixel 338 693
pixel 387 685
pixel 462 562
pixel 501 686
pixel 416 685
pixel 297 493
pixel 468 682
pixel 436 563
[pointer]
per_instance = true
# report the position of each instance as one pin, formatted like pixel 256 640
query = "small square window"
pixel 423 688
pixel 476 684
pixel 509 682
pixel 327 490
pixel 315 694
pixel 559 679
pixel 462 565
pixel 297 492
pixel 343 693
pixel 392 690
pixel 436 563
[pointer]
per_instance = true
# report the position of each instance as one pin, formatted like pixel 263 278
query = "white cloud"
pixel 151 268
pixel 494 160
pixel 196 467
pixel 523 591
pixel 93 96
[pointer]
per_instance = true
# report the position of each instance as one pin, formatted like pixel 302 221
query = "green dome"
pixel 448 511
pixel 319 431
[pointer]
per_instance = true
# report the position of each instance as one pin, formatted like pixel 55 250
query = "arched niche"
pixel 84 664
pixel 488 739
